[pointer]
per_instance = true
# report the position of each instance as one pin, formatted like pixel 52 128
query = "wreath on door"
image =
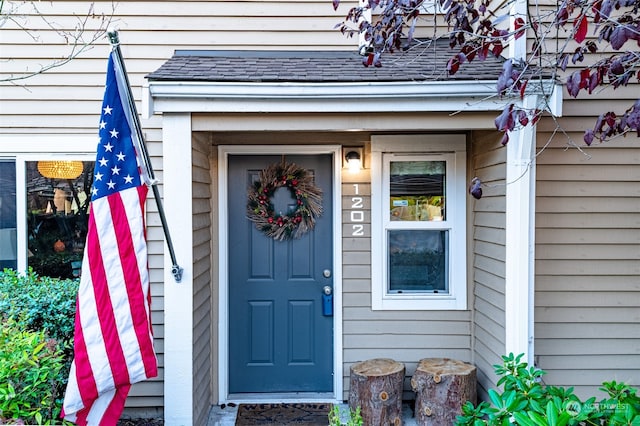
pixel 291 224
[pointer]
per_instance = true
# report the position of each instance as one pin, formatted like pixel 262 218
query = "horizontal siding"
pixel 587 301
pixel 406 336
pixel 587 204
pixel 149 34
pixel 202 303
pixel 488 163
pixel 66 100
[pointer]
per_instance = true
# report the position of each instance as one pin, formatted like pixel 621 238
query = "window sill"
pixel 413 302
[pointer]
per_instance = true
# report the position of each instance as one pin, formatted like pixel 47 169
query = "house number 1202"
pixel 357 214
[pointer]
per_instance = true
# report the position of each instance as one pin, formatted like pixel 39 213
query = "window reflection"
pixel 417 190
pixel 8 218
pixel 57 217
pixel 418 261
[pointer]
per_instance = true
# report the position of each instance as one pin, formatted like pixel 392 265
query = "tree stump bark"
pixel 442 386
pixel 376 387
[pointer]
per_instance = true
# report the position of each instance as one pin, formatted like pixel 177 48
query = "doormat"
pixel 309 414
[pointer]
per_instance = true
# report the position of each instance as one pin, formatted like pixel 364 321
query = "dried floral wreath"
pixel 283 226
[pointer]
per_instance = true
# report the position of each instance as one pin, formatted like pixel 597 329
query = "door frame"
pixel 223 277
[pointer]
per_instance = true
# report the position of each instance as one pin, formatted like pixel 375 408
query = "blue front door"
pixel 279 339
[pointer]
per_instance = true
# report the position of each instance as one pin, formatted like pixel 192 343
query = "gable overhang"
pixel 290 97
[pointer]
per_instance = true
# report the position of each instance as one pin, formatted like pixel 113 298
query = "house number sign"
pixel 357 213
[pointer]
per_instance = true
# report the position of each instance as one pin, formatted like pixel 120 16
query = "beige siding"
pixel 588 209
pixel 488 163
pixel 406 336
pixel 66 100
pixel 588 251
pixel 202 307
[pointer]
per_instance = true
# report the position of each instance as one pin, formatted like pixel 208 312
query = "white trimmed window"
pixel 45 183
pixel 418 222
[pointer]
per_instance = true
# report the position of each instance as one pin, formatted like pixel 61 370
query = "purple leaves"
pixel 475 188
pixel 616 70
pixel 609 124
pixel 509 78
pixel 506 120
pixel 523 118
pixel 576 32
pixel 573 84
pixel 588 137
pixel 576 81
pixel 511 116
pixel 505 79
pixel 619 36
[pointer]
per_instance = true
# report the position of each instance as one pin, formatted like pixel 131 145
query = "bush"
pixel 31 376
pixel 41 303
pixel 348 417
pixel 36 349
pixel 526 401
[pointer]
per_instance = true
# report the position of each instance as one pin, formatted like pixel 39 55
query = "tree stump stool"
pixel 442 386
pixel 376 387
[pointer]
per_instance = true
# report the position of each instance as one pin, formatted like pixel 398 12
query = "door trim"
pixel 223 278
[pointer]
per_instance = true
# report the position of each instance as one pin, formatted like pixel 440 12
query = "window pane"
pixel 58 196
pixel 418 261
pixel 417 190
pixel 8 218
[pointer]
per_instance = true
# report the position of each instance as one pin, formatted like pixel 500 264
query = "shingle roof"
pixel 420 63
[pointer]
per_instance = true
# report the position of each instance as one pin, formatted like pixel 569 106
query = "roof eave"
pixel 288 97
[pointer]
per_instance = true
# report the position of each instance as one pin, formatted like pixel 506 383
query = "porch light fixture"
pixel 60 169
pixel 354 162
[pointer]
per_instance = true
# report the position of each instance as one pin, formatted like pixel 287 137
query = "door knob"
pixel 327 290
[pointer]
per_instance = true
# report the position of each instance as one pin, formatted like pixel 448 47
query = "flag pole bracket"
pixel 177 273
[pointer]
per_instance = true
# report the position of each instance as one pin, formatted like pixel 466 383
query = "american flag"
pixel 113 342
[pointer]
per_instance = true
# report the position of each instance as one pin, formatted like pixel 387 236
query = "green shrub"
pixel 31 376
pixel 43 303
pixel 348 417
pixel 526 401
pixel 36 345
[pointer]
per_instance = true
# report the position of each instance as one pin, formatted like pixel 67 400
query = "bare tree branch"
pixel 79 39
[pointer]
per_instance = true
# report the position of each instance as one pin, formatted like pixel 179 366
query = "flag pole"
pixel 140 145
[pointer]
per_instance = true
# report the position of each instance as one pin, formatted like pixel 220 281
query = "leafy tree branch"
pixel 478 29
